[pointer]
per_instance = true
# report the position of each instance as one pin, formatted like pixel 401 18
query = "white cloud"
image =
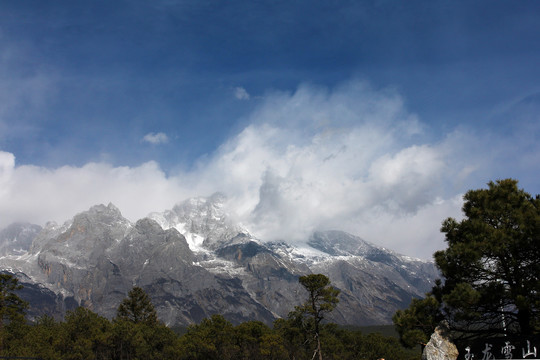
pixel 39 195
pixel 156 138
pixel 352 159
pixel 345 159
pixel 240 93
pixel 7 165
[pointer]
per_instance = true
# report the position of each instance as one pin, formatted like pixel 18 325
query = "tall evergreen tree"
pixel 322 299
pixel 137 308
pixel 12 307
pixel 492 264
pixel 491 268
pixel 138 334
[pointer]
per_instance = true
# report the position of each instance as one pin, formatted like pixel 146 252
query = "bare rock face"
pixel 195 261
pixel 440 347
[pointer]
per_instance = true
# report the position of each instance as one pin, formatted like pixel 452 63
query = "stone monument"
pixel 439 346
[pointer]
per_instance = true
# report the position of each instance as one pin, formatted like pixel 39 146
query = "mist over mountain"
pixel 195 260
pixel 17 238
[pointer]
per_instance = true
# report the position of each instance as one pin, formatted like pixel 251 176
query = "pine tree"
pixel 491 269
pixel 12 307
pixel 137 308
pixel 322 299
pixel 491 266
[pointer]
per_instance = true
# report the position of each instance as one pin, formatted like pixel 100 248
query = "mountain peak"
pixel 101 209
pixel 339 243
pixel 201 204
pixel 204 222
pixel 217 198
pixel 101 214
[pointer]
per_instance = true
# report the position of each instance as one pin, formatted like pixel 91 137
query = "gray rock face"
pixel 440 347
pixel 17 238
pixel 194 261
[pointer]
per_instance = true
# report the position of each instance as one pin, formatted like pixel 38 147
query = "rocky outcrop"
pixel 440 347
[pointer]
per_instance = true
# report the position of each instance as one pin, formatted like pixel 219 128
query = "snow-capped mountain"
pixel 195 261
pixel 203 222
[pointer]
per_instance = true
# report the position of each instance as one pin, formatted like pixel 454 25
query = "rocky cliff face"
pixel 194 262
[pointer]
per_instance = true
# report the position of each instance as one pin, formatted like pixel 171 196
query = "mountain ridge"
pixel 195 261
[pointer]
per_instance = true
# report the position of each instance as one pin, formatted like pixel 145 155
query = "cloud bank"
pixel 350 158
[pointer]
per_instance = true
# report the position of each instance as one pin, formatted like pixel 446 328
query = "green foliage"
pixel 12 311
pixel 386 330
pixel 249 337
pixel 272 347
pixel 212 339
pixel 491 266
pixel 491 269
pixel 376 346
pixel 130 340
pixel 137 333
pixel 341 343
pixel 416 323
pixel 296 341
pixel 12 307
pixel 337 342
pixel 85 335
pixel 46 340
pixel 137 308
pixel 322 299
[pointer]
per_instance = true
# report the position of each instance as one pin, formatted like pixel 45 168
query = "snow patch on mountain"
pixel 220 266
pixel 204 223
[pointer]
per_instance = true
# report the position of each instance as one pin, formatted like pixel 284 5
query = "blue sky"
pixel 370 116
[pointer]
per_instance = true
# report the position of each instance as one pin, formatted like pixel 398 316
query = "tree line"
pixel 136 333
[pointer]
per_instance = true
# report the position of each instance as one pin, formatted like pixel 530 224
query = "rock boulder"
pixel 440 347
